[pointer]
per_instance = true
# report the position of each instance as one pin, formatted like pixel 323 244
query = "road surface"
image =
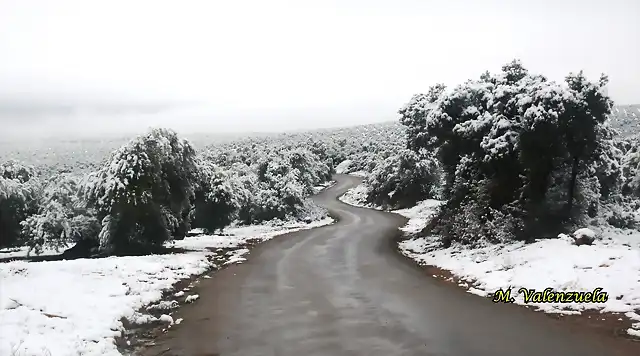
pixel 343 290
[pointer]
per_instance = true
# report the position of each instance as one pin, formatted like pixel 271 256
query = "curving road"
pixel 343 290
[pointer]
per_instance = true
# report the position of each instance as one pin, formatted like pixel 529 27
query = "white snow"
pixel 75 307
pixel 179 294
pixel 323 186
pixel 357 197
pixel 239 236
pixel 65 308
pixel 166 318
pixel 164 304
pixel 612 263
pixel 18 252
pixel 418 215
pixel 586 232
pixel 343 167
pixel 363 174
pixel 191 298
pixel 139 318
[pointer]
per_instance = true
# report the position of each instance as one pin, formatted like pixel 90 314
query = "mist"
pixel 98 68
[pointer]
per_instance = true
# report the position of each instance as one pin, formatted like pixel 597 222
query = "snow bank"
pixel 74 307
pixel 65 308
pixel 343 167
pixel 611 263
pixel 418 215
pixel 362 174
pixel 317 189
pixel 239 236
pixel 357 196
pixel 13 252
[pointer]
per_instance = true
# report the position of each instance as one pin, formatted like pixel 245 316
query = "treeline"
pixel 158 186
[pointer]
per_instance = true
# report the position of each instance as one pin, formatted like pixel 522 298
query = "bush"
pixel 19 191
pixel 402 180
pixel 520 148
pixel 215 205
pixel 61 217
pixel 143 194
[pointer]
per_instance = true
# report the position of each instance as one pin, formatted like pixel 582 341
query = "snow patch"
pixel 238 236
pixel 75 307
pixel 419 215
pixel 343 167
pixel 166 319
pixel 357 196
pixel 191 298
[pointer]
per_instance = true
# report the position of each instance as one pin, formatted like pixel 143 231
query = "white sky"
pixel 275 65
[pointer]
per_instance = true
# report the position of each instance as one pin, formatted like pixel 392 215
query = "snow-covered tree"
pixel 504 141
pixel 216 198
pixel 19 190
pixel 280 192
pixel 61 217
pixel 143 193
pixel 402 180
pixel 311 171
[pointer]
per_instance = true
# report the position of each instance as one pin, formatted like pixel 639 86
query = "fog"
pixel 99 68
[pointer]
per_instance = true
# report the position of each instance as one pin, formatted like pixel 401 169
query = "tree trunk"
pixel 572 185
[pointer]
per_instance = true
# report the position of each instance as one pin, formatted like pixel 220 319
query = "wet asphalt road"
pixel 343 290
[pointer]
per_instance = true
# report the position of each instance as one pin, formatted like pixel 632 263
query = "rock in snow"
pixel 584 236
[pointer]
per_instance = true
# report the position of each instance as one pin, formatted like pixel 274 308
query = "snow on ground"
pixel 63 308
pixel 418 215
pixel 343 167
pixel 74 307
pixel 362 174
pixel 611 263
pixel 13 252
pixel 323 186
pixel 236 237
pixel 357 196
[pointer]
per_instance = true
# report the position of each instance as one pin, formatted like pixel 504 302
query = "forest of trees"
pixel 158 186
pixel 514 155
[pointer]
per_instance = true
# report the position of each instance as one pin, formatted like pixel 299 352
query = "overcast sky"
pixel 237 65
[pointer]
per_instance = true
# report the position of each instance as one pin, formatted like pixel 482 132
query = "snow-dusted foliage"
pixel 61 217
pixel 19 190
pixel 402 180
pixel 517 151
pixel 217 198
pixel 273 176
pixel 143 193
